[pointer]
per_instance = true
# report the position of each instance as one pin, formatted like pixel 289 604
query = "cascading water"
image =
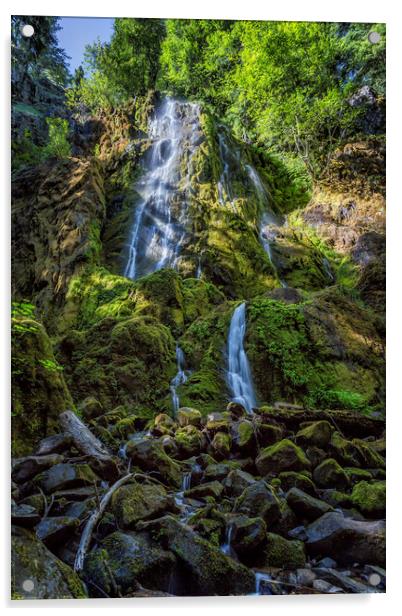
pixel 239 374
pixel 178 379
pixel 160 224
pixel 226 547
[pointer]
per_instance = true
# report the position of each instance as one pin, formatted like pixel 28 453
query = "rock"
pixel 346 540
pixel 91 408
pixel 247 534
pixel 66 476
pixel 220 445
pixel 370 458
pixel 237 481
pixel 217 422
pixel 330 475
pixel 24 515
pixel 327 563
pixel 212 488
pixel 190 441
pixel 315 455
pixel 357 474
pixel 258 500
pixel 286 521
pixel 25 469
pixel 325 587
pixel 268 434
pixel 306 506
pixel 283 456
pixel 163 424
pixel 369 498
pixel 344 451
pixel 243 437
pixel 58 443
pixel 217 471
pixel 206 570
pixel 316 434
pixel 305 577
pixel 126 559
pixel 335 498
pixel 150 456
pixel 375 576
pixel 55 530
pixel 236 410
pixel 291 479
pixel 134 502
pixel 187 416
pixel 50 577
pixel 283 553
pixel 339 579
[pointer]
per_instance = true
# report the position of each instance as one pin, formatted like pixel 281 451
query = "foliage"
pixel 58 144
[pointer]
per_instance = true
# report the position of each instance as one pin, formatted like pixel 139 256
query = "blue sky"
pixel 77 32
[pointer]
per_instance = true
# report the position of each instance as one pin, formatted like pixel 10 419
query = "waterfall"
pixel 262 581
pixel 226 547
pixel 178 379
pixel 239 374
pixel 160 223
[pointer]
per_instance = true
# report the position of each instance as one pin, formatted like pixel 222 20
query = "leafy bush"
pixel 58 144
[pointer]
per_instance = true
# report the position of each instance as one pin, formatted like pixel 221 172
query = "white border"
pixel 304 10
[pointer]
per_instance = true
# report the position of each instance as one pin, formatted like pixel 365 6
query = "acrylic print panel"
pixel 198 243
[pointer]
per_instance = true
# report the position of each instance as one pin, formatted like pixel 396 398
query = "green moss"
pixel 280 552
pixel 282 456
pixel 369 497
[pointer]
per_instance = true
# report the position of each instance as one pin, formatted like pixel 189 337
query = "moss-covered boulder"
pixel 317 434
pixel 220 446
pixel 291 479
pixel 134 502
pixel 237 481
pixel 329 474
pixel 211 488
pixel 258 500
pixel 50 577
pixel 283 456
pixel 247 534
pixel 150 456
pixel 345 451
pixel 268 434
pixel 190 440
pixel 187 416
pixel 283 553
pixel 243 437
pixel 65 476
pixel 369 498
pixel 306 506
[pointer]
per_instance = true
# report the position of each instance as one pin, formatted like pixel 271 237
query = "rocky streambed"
pixel 280 501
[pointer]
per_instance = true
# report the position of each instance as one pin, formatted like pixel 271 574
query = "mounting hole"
pixel 374 37
pixel 27 30
pixel 374 579
pixel 28 585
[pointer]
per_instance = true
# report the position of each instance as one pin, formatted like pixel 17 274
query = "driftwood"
pixel 87 444
pixel 92 522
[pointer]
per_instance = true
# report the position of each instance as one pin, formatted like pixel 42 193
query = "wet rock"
pixel 187 416
pixel 325 587
pixel 126 559
pixel 330 475
pixel 24 515
pixel 369 456
pixel 150 456
pixel 327 563
pixel 25 469
pixel 316 434
pixel 237 481
pixel 247 534
pixel 284 553
pixel 357 474
pixel 369 498
pixel 315 455
pixel 66 476
pixel 212 488
pixel 207 571
pixel 306 506
pixel 346 540
pixel 58 443
pixel 344 451
pixel 217 471
pixel 190 440
pixel 291 479
pixel 243 437
pixel 50 577
pixel 53 530
pixel 91 408
pixel 335 498
pixel 375 576
pixel 221 445
pixel 258 500
pixel 339 579
pixel 268 434
pixel 236 410
pixel 134 502
pixel 283 456
pixel 163 424
pixel 286 521
pixel 217 422
pixel 305 577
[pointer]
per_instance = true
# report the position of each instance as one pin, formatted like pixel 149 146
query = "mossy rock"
pixel 316 434
pixel 283 456
pixel 292 479
pixel 243 437
pixel 190 441
pixel 134 502
pixel 346 452
pixel 268 434
pixel 188 416
pixel 150 456
pixel 369 498
pixel 258 500
pixel 221 445
pixel 283 553
pixel 329 474
pixel 358 474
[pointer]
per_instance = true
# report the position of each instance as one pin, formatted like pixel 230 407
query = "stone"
pixel 212 488
pixel 91 408
pixel 327 563
pixel 357 474
pixel 369 498
pixel 66 476
pixel 370 458
pixel 340 580
pixel 221 445
pixel 236 410
pixel 258 500
pixel 325 587
pixel 237 481
pixel 344 451
pixel 187 416
pixel 243 437
pixel 283 456
pixel 247 534
pixel 283 553
pixel 58 443
pixel 305 577
pixel 305 506
pixel 163 424
pixel 190 441
pixel 330 475
pixel 134 502
pixel 268 434
pixel 55 530
pixel 50 577
pixel 217 471
pixel 150 456
pixel 129 559
pixel 347 540
pixel 24 515
pixel 316 434
pixel 25 469
pixel 315 455
pixel 205 569
pixel 335 498
pixel 291 479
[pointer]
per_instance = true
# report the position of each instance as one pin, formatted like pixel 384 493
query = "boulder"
pixel 236 410
pixel 50 578
pixel 221 445
pixel 91 408
pixel 370 458
pixel 217 471
pixel 134 502
pixel 329 474
pixel 347 540
pixel 283 553
pixel 369 498
pixel 129 559
pixel 212 488
pixel 237 481
pixel 205 569
pixel 340 580
pixel 55 530
pixel 150 456
pixel 163 424
pixel 66 476
pixel 291 479
pixel 316 434
pixel 283 456
pixel 346 452
pixel 243 437
pixel 305 506
pixel 247 534
pixel 258 500
pixel 190 441
pixel 315 455
pixel 268 434
pixel 25 469
pixel 24 515
pixel 58 443
pixel 187 416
